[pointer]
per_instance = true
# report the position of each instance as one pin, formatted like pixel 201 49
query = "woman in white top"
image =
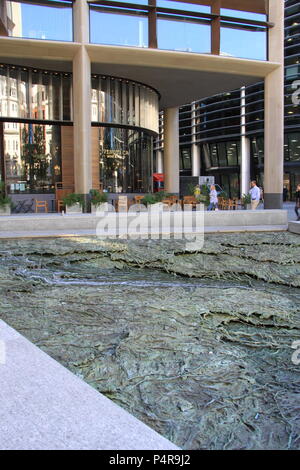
pixel 213 199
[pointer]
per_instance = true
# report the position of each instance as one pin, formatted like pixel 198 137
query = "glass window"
pixel 118 29
pixel 32 157
pixel 234 185
pixel 124 102
pixel 235 42
pixel 232 156
pixel 125 160
pixel 34 94
pixel 222 154
pixel 214 155
pixel 243 14
pixel 183 36
pixel 41 21
pixel 185 160
pixel 183 6
pixel 294 146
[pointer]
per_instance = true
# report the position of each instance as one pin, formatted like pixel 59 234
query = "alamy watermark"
pixel 157 222
pixel 296 354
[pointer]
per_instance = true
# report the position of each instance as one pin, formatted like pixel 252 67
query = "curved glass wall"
pixel 125 159
pixel 120 101
pixel 34 94
pixel 44 95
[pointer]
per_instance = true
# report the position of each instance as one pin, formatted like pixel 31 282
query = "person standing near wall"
pixel 255 195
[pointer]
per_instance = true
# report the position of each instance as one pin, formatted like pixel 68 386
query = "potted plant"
pixel 155 200
pixel 98 201
pixel 73 203
pixel 246 201
pixel 5 202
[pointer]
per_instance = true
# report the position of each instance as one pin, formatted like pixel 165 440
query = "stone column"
pixel 195 150
pixel 171 150
pixel 82 101
pixel 274 111
pixel 245 149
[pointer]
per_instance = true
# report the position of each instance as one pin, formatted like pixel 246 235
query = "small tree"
pixel 34 156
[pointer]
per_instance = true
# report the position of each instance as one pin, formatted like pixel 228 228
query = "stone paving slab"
pixel 43 406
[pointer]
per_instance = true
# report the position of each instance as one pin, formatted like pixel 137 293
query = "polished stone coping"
pixel 31 225
pixel 294 227
pixel 44 406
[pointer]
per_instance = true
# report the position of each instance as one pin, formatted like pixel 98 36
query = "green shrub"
pixel 72 199
pixel 4 200
pixel 97 198
pixel 149 199
pixel 191 189
pixel 160 196
pixel 246 199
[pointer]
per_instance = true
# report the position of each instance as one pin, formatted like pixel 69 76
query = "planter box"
pixel 75 209
pixel 5 210
pixel 158 207
pixel 103 207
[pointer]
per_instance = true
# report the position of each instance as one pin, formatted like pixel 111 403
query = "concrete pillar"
pixel 159 162
pixel 82 121
pixel 82 101
pixel 171 150
pixel 274 111
pixel 195 150
pixel 245 149
pixel 81 21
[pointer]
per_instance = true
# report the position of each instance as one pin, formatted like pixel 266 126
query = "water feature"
pixel 197 344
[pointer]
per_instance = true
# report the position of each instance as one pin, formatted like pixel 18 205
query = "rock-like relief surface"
pixel 197 344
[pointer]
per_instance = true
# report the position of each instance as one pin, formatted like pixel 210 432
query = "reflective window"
pixel 42 21
pixel 183 6
pixel 32 157
pixel 116 29
pixel 235 42
pixel 121 101
pixel 34 94
pixel 183 36
pixel 125 160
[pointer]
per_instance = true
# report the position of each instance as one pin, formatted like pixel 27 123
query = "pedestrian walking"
pixel 213 199
pixel 255 195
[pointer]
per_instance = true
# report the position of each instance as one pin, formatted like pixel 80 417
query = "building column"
pixel 195 151
pixel 159 162
pixel 245 149
pixel 82 101
pixel 274 111
pixel 171 150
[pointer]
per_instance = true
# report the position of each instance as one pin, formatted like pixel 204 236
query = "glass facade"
pixel 178 26
pixel 30 148
pixel 119 101
pixel 30 157
pixel 52 22
pixel 34 94
pixel 116 29
pixel 183 36
pixel 216 124
pixel 125 159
